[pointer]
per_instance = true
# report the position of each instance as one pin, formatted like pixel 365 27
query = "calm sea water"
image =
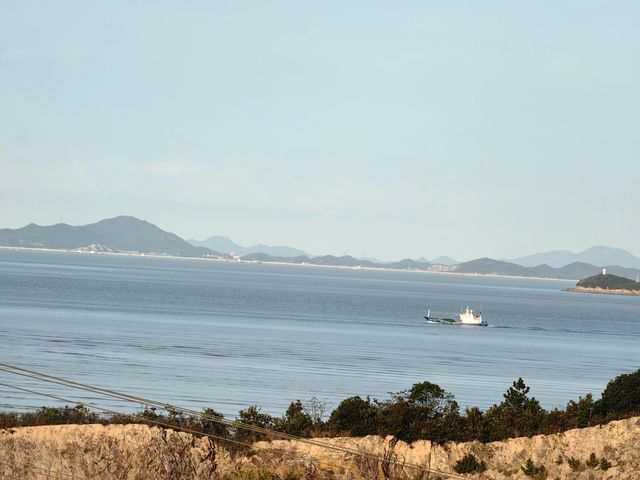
pixel 204 333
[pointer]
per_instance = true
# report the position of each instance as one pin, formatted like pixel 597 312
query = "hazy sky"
pixel 389 129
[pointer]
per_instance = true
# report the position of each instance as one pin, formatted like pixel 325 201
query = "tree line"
pixel 424 411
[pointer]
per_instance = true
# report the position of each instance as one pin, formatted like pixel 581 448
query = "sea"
pixel 227 335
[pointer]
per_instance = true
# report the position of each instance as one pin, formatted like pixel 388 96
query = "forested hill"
pixel 609 282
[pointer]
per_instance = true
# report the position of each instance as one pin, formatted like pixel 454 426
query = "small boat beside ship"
pixel 466 317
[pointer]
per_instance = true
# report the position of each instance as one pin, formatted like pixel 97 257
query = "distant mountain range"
pixel 598 255
pixel 573 271
pixel 226 245
pixel 119 234
pixel 343 261
pixel 481 266
pixel 444 261
pixel 129 234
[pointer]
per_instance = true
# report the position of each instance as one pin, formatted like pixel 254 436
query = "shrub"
pixel 531 470
pixel 431 397
pixel 295 421
pixel 253 416
pixel 604 464
pixel 58 416
pixel 592 461
pixel 9 420
pixel 579 413
pixel 469 464
pixel 574 463
pixel 424 411
pixel 354 415
pixel 622 395
pixel 209 426
pixel 517 415
pixel 316 409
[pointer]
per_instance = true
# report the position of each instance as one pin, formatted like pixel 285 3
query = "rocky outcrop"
pixel 603 291
pixel 141 452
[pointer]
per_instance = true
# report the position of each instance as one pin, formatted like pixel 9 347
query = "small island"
pixel 607 284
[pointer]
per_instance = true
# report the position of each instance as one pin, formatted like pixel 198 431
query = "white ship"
pixel 466 317
pixel 469 318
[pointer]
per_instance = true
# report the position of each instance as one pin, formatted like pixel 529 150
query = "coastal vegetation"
pixel 609 282
pixel 530 469
pixel 144 451
pixel 424 411
pixel 469 464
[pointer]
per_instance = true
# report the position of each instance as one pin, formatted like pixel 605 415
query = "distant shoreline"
pixel 260 262
pixel 429 272
pixel 603 291
pixel 124 254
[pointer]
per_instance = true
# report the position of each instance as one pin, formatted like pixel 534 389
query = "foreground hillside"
pixel 142 452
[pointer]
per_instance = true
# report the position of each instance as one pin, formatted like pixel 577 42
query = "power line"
pixel 45 472
pixel 233 424
pixel 113 412
pixel 50 395
pixel 154 422
pixel 214 418
pixel 144 420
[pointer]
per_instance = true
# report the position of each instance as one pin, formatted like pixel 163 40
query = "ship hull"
pixel 451 321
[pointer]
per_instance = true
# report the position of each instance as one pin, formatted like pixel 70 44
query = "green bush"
pixel 622 395
pixel 356 416
pixel 517 415
pixel 592 461
pixel 295 420
pixel 574 463
pixel 469 464
pixel 579 413
pixel 424 411
pixel 209 426
pixel 175 419
pixel 253 416
pixel 9 420
pixel 58 416
pixel 604 464
pixel 531 470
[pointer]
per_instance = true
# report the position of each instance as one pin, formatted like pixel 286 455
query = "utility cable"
pixel 44 472
pixel 113 412
pixel 146 421
pixel 214 418
pixel 233 424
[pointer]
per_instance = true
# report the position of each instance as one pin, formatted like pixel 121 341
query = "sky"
pixel 377 129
